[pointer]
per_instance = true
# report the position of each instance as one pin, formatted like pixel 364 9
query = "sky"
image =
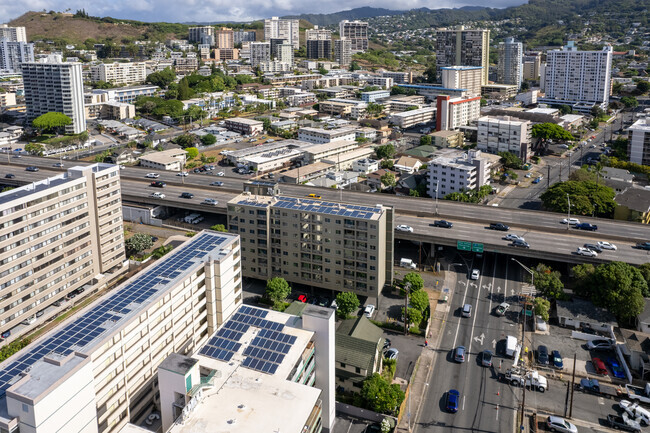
pixel 220 10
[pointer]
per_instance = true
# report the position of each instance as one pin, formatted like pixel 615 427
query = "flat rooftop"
pixel 244 121
pixel 96 324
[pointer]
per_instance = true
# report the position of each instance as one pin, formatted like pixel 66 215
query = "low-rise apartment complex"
pixel 244 126
pixel 406 119
pixel 322 136
pixel 119 74
pixel 457 173
pixel 504 134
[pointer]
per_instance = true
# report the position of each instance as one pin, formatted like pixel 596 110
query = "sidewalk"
pixel 424 367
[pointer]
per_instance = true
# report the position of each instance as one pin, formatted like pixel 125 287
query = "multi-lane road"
pixel 486 405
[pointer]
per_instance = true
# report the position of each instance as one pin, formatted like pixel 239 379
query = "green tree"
pixel 645 272
pixel 413 316
pixel 430 74
pixel 619 288
pixel 219 228
pixel 347 303
pixel 378 395
pixel 419 299
pixel 387 164
pixel 416 281
pixel 630 101
pixel 192 152
pixel 161 251
pixel 483 102
pixel 565 109
pixel 510 160
pixel 51 121
pixel 388 179
pixel 385 151
pixel 374 109
pixel 548 282
pixel 642 87
pixel 208 139
pixel 138 243
pixel 185 140
pixel 34 149
pixel 354 66
pixel 277 289
pixel 550 131
pixel 425 140
pixel 587 198
pixel 322 70
pixel 542 307
pixel 162 78
pixel 583 275
pixel 184 91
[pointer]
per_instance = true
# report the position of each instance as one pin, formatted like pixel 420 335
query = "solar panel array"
pixel 78 334
pixel 267 350
pixel 324 207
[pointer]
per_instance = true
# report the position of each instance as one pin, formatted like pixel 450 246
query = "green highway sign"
pixel 464 245
pixel 477 248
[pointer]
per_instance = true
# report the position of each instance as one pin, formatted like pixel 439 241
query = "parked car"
pixel 486 358
pixel 187 195
pixel 152 175
pixel 593 247
pixel 538 179
pixel 499 226
pixel 6 334
pixel 453 397
pixel 557 359
pixel 615 367
pixel 600 344
pixel 158 184
pixel 586 252
pixel 606 245
pixel 369 310
pixel 386 343
pixel 570 221
pixel 391 353
pixel 624 423
pixel 31 168
pixel 587 226
pixel 28 321
pixel 217 183
pixel 459 354
pixel 221 173
pixel 475 274
pixel 542 355
pixel 558 424
pixel 157 195
pixel 442 223
pixel 404 228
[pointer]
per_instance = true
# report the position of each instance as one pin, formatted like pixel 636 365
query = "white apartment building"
pixel 399 77
pixel 328 151
pixel 201 35
pixel 580 79
pixel 259 52
pixel 7 99
pixel 466 171
pixel 317 34
pixel 463 77
pixel 335 246
pixel 638 148
pixel 510 65
pixel 166 160
pixel 269 156
pixel 275 66
pixel 119 74
pixel 406 119
pixel 262 370
pixel 98 371
pixel 366 165
pixel 356 32
pixel 464 47
pixel 343 51
pixel 244 125
pixel 55 86
pixel 12 54
pixel 322 136
pixel 13 34
pixel 289 30
pixel 284 53
pixel 452 113
pixel 56 236
pixel 504 134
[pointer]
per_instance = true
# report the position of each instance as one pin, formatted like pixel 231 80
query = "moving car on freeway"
pixel 404 228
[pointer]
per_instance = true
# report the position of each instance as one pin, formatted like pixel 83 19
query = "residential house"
pixel 406 164
pixel 374 178
pixel 359 346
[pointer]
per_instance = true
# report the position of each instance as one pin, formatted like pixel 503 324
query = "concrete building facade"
pixel 406 119
pixel 463 77
pixel 638 148
pixel 322 136
pixel 504 134
pixel 343 51
pixel 13 34
pixel 244 126
pixel 453 113
pixel 119 74
pixel 12 54
pixel 225 38
pixel 463 47
pixel 201 35
pixel 357 32
pixel 260 52
pixel 510 64
pixel 467 171
pixel 288 30
pixel 532 63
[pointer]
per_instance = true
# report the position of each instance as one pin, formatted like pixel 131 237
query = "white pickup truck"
pixel 531 379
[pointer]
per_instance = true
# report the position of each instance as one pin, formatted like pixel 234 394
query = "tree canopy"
pixel 587 198
pixel 208 139
pixel 192 152
pixel 415 280
pixel 378 395
pixel 419 300
pixel 510 160
pixel 51 121
pixel 548 282
pixel 162 78
pixel 388 179
pixel 277 289
pixel 542 307
pixel 620 288
pixel 385 151
pixel 138 243
pixel 347 303
pixel 34 149
pixel 550 131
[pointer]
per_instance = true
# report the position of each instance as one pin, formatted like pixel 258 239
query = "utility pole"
pixel 568 219
pixel 437 197
pixel 573 385
pixel 407 289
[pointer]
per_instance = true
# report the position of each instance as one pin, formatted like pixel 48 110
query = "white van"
pixel 511 346
pixel 407 263
pixel 191 217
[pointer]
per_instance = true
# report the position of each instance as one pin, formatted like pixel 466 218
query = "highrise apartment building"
pixel 504 134
pixel 13 34
pixel 12 54
pixel 463 47
pixel 241 36
pixel 343 51
pixel 319 43
pixel 98 371
pixel 289 30
pixel 260 52
pixel 580 79
pixel 531 66
pixel 225 38
pixel 334 246
pixel 57 235
pixel 463 77
pixel 284 53
pixel 510 65
pixel 357 32
pixel 119 74
pixel 55 86
pixel 201 35
pixel 452 113
pixel 638 148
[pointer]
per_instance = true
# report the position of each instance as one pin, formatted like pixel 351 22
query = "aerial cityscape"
pixel 338 218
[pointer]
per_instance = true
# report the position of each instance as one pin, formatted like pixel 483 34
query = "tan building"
pixel 464 47
pixel 335 246
pixel 110 110
pixel 244 126
pixel 173 159
pixel 452 138
pixel 329 150
pixel 463 77
pixel 226 54
pixel 504 134
pixel 7 99
pixel 56 236
pixel 500 91
pixel 119 74
pixel 99 370
pixel 225 38
pixel 185 65
pixel 531 66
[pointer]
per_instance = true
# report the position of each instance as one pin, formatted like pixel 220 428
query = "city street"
pixel 486 405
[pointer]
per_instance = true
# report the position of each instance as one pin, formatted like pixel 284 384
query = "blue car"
pixel 537 180
pixel 557 359
pixel 453 397
pixel 617 371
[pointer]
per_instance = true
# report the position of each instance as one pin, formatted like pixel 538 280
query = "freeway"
pixel 486 405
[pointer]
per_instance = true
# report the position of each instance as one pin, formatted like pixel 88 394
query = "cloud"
pixel 219 10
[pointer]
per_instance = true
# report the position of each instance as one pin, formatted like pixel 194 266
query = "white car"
pixel 404 228
pixel 369 310
pixel 571 221
pixel 152 175
pixel 216 183
pixel 475 274
pixel 586 252
pixel 513 237
pixel 157 195
pixel 210 201
pixel 606 245
pixel 221 173
pixel 183 174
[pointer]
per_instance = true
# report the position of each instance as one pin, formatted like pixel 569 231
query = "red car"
pixel 599 366
pixel 303 298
